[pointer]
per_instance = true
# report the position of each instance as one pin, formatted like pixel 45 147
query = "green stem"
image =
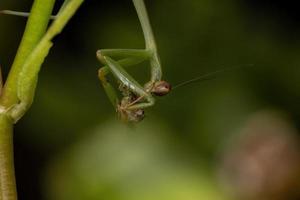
pixel 28 76
pixel 35 29
pixel 18 91
pixel 7 175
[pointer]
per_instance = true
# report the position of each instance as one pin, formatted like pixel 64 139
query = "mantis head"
pixel 161 88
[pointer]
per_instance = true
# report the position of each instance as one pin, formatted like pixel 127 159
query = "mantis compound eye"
pixel 161 88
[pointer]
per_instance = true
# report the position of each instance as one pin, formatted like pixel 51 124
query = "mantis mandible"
pixel 135 97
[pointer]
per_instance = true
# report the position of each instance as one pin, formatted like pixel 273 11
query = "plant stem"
pixel 8 189
pixel 35 29
pixel 28 76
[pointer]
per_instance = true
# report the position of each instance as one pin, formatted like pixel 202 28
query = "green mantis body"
pixel 135 97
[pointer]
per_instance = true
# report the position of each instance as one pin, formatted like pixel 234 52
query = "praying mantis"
pixel 135 97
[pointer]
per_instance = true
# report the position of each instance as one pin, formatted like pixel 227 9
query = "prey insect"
pixel 135 97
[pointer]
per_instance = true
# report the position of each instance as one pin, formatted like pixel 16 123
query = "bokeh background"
pixel 232 137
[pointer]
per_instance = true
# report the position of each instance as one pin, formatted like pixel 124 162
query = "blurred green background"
pixel 71 146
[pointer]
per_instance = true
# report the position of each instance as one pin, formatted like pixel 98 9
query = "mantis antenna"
pixel 26 14
pixel 210 75
pixel 21 14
